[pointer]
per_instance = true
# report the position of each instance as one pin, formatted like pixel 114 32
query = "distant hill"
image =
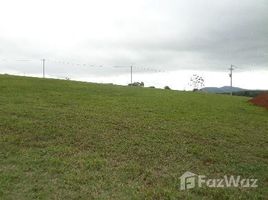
pixel 224 89
pixel 236 91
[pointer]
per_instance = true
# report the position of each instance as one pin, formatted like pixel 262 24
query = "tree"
pixel 167 88
pixel 197 82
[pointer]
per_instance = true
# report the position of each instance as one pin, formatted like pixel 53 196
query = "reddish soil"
pixel 260 100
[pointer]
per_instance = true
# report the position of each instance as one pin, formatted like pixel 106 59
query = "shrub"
pixel 167 88
pixel 139 84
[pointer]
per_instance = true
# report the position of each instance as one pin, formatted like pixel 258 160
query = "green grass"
pixel 73 140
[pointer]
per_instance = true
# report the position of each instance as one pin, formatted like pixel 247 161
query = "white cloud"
pixel 172 35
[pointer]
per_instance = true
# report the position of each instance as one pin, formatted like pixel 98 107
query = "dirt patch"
pixel 260 100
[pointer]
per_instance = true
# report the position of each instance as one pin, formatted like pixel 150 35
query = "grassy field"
pixel 73 140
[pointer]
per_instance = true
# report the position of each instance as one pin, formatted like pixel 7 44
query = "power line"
pixel 64 62
pixel 131 71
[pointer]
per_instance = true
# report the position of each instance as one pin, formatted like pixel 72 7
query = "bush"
pixel 139 84
pixel 167 88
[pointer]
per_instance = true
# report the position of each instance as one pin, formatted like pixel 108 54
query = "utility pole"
pixel 131 74
pixel 231 78
pixel 43 61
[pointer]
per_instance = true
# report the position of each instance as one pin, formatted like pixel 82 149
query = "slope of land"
pixel 73 140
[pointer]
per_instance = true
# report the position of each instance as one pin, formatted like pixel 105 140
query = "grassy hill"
pixel 74 140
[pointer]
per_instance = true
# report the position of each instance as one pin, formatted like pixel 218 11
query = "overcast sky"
pixel 167 40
